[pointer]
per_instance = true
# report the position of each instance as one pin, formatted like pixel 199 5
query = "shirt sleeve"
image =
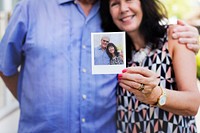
pixel 12 41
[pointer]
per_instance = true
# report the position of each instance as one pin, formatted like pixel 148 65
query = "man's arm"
pixel 11 82
pixel 188 35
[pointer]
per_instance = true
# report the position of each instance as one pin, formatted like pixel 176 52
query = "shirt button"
pixel 84 47
pixel 83 120
pixel 84 96
pixel 84 70
pixel 76 1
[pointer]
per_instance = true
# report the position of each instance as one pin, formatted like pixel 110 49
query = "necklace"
pixel 139 57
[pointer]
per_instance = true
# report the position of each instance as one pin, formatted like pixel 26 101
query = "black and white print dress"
pixel 134 116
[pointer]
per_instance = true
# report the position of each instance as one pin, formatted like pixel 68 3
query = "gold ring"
pixel 141 87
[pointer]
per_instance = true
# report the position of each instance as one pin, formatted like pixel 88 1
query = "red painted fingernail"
pixel 125 70
pixel 119 76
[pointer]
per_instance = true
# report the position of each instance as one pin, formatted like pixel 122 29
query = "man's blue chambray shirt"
pixel 50 40
pixel 101 57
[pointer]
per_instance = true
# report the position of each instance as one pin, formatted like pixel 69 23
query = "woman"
pixel 115 58
pixel 158 90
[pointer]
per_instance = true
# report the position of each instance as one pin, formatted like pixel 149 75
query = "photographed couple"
pixel 107 53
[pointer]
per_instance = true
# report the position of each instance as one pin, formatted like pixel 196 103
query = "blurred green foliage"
pixel 179 8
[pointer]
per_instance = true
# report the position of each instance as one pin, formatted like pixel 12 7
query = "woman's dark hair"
pixel 115 52
pixel 152 29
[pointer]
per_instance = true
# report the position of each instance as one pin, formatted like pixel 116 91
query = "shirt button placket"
pixel 85 70
pixel 84 97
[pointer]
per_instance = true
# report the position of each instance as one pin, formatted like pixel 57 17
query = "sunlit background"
pixel 187 10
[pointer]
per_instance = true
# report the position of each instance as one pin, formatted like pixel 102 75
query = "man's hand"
pixel 11 83
pixel 187 34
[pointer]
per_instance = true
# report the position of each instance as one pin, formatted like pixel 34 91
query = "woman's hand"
pixel 187 34
pixel 142 82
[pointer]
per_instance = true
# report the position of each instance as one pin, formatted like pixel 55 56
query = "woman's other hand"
pixel 187 34
pixel 142 82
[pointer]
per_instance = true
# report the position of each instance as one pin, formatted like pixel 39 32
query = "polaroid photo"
pixel 108 52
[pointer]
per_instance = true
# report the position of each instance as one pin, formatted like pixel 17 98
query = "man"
pixel 50 40
pixel 100 55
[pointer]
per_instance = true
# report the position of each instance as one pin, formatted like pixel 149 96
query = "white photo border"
pixel 108 69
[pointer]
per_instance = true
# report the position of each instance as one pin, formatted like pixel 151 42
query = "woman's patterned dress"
pixel 117 60
pixel 134 116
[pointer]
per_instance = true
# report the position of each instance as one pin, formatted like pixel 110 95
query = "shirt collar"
pixel 100 48
pixel 64 1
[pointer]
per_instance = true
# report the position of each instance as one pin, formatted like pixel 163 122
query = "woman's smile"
pixel 127 18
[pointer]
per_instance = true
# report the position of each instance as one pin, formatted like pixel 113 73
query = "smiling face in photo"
pixel 111 49
pixel 104 42
pixel 126 14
